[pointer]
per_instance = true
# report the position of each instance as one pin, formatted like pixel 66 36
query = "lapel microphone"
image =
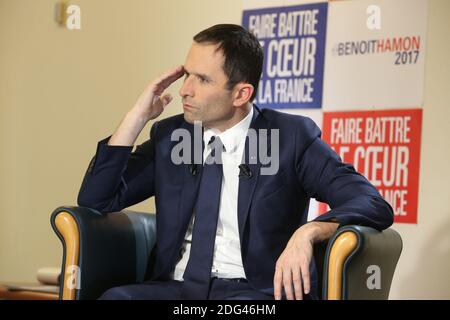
pixel 244 170
pixel 193 169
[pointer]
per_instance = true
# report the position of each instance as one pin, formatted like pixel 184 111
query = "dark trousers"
pixel 220 289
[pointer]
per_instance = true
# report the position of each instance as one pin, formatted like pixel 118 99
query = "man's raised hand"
pixel 150 105
pixel 152 102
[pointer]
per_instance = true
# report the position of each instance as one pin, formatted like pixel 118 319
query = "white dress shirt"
pixel 227 259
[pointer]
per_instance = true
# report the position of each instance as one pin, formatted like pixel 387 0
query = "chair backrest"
pixel 358 263
pixel 101 251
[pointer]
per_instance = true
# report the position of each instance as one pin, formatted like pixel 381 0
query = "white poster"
pixel 375 54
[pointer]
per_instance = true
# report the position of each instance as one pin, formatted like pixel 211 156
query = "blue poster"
pixel 293 39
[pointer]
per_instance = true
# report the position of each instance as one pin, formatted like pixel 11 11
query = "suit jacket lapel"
pixel 191 182
pixel 247 185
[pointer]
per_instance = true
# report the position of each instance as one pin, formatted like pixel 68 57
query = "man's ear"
pixel 242 93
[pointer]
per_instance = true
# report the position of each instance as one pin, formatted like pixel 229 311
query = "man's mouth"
pixel 187 106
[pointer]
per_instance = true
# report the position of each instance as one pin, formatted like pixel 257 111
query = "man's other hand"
pixel 292 267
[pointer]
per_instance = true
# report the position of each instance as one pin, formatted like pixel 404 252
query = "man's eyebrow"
pixel 201 75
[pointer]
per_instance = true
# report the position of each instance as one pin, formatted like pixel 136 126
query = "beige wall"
pixel 423 269
pixel 61 91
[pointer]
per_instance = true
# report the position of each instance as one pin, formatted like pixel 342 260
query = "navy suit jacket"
pixel 270 207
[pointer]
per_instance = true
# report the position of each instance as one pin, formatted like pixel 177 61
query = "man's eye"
pixel 202 80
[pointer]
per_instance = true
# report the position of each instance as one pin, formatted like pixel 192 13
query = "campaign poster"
pixel 384 146
pixel 293 40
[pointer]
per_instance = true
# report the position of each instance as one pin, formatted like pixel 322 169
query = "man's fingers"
pixel 297 279
pixel 173 75
pixel 277 280
pixel 287 283
pixel 166 99
pixel 166 79
pixel 306 278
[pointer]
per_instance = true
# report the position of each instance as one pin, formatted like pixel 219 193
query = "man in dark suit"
pixel 231 220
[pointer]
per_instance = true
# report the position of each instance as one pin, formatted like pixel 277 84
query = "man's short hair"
pixel 242 52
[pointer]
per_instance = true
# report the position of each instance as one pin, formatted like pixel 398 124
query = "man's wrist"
pixel 317 231
pixel 311 231
pixel 137 118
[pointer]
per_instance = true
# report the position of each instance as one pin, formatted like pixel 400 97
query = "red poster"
pixel 384 146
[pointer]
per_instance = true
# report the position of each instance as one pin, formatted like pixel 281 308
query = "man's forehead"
pixel 207 47
pixel 204 59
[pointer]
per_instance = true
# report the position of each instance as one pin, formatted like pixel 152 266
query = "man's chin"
pixel 189 118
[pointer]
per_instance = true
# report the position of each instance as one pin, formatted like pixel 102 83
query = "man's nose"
pixel 187 89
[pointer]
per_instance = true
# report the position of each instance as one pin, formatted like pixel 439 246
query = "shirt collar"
pixel 233 136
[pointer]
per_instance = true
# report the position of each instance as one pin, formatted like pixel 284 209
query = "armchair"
pixel 101 251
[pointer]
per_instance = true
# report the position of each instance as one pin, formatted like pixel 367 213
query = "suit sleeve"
pixel 351 197
pixel 117 177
